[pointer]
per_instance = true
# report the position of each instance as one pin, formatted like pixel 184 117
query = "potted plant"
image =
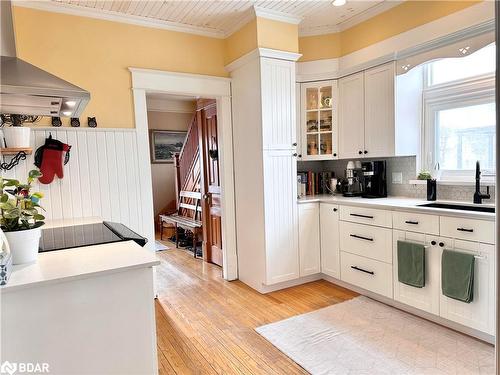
pixel 16 136
pixel 20 217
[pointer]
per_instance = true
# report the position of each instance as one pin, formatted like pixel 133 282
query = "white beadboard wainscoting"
pixel 101 178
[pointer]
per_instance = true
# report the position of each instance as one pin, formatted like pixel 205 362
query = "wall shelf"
pixel 15 151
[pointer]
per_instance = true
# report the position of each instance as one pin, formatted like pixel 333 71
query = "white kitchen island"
pixel 87 310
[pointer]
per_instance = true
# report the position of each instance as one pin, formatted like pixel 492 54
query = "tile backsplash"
pixel 407 167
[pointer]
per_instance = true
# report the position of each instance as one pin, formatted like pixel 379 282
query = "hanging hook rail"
pixel 21 155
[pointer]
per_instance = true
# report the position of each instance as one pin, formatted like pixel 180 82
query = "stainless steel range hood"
pixel 28 90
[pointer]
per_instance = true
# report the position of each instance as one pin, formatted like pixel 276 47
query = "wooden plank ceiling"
pixel 225 16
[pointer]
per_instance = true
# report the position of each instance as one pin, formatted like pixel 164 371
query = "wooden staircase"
pixel 187 162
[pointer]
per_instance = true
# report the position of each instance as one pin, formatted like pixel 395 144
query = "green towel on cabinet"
pixel 457 275
pixel 411 264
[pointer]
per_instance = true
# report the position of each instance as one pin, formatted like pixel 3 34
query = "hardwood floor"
pixel 205 325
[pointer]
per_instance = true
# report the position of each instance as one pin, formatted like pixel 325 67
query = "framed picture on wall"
pixel 164 144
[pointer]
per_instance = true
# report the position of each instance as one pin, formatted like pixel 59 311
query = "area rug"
pixel 362 336
pixel 159 246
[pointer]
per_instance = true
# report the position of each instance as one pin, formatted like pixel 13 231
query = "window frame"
pixel 460 93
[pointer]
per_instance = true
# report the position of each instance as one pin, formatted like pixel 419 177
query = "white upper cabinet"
pixel 319 127
pixel 366 113
pixel 351 116
pixel 278 104
pixel 379 111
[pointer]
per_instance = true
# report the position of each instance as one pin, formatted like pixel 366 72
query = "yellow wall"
pixel 262 32
pixel 241 42
pixel 319 47
pixel 277 35
pixel 95 55
pixel 397 20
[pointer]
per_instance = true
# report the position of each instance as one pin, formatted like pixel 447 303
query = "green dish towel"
pixel 457 275
pixel 411 264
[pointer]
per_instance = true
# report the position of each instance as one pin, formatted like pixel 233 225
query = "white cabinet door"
pixel 351 116
pixel 319 122
pixel 309 245
pixel 278 104
pixel 426 298
pixel 329 229
pixel 379 111
pixel 280 207
pixel 298 127
pixel 480 313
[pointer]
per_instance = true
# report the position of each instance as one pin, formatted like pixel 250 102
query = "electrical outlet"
pixel 397 177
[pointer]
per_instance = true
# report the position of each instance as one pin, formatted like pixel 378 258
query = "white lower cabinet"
pixel 426 298
pixel 368 274
pixel 366 240
pixel 282 262
pixel 309 239
pixel 329 232
pixel 480 313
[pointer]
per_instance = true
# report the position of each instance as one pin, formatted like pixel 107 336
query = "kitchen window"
pixel 459 106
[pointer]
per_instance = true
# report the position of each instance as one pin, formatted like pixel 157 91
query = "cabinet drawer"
pixel 416 222
pixel 468 229
pixel 364 215
pixel 366 240
pixel 366 273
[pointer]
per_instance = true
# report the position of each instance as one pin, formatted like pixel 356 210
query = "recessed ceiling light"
pixel 67 113
pixel 339 3
pixel 70 103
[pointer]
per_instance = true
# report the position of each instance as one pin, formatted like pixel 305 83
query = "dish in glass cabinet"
pixel 326 101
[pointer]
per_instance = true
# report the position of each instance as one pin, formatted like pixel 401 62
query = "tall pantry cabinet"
pixel 265 163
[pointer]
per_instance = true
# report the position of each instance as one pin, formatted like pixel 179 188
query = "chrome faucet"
pixel 478 196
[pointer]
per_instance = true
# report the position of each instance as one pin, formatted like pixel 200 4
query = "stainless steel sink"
pixel 460 207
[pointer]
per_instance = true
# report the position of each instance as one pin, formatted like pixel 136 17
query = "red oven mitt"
pixel 49 159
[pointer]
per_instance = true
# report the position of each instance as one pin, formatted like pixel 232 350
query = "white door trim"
pixel 218 88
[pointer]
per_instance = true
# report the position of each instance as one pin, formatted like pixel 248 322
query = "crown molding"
pixel 276 15
pixel 278 54
pixel 242 61
pixel 350 22
pixel 247 17
pixel 107 15
pixel 262 52
pixel 368 13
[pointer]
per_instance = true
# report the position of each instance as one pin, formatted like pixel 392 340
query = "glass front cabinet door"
pixel 319 128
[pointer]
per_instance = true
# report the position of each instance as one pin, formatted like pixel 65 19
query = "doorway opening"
pixel 185 174
pixel 206 196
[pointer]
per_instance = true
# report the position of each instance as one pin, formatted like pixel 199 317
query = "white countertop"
pixel 83 262
pixel 399 204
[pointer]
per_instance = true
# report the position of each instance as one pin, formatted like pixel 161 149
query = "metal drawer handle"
pixel 361 237
pixel 411 222
pixel 465 230
pixel 359 215
pixel 362 270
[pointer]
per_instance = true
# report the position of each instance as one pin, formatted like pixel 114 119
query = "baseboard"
pixel 288 284
pixel 423 314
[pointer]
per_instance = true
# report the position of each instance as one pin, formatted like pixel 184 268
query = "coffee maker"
pixel 354 177
pixel 374 179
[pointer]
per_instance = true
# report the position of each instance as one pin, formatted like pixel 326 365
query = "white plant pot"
pixel 24 245
pixel 17 136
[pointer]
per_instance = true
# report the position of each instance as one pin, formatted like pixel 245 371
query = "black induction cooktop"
pixel 87 235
